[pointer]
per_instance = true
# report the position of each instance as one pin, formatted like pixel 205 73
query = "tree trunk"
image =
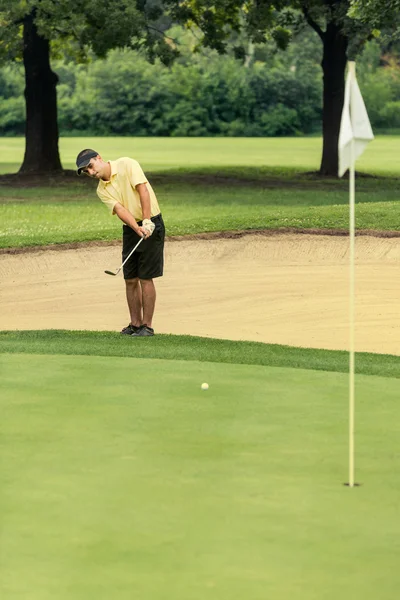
pixel 41 132
pixel 333 66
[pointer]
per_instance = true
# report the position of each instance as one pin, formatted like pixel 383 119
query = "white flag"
pixel 355 123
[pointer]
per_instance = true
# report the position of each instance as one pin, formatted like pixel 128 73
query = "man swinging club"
pixel 123 187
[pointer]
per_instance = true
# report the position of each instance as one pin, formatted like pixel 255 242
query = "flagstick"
pixel 352 301
pixel 355 133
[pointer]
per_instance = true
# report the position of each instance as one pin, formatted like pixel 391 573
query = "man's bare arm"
pixel 144 195
pixel 127 218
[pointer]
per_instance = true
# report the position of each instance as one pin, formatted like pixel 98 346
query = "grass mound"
pixel 185 347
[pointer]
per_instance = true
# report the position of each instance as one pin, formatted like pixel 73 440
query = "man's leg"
pixel 148 300
pixel 134 298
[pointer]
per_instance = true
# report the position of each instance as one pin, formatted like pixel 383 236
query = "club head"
pixel 110 273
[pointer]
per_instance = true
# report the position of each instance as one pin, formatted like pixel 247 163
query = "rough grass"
pixel 204 185
pixel 184 347
pixel 195 202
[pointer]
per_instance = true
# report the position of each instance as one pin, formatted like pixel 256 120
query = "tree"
pixel 341 36
pixel 329 19
pixel 32 29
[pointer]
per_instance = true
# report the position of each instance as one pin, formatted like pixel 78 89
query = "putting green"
pixel 122 479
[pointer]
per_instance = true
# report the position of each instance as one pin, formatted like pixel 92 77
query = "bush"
pixel 380 86
pixel 208 96
pixel 391 114
pixel 200 95
pixel 12 116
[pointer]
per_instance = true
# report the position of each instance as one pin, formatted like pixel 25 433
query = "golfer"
pixel 124 188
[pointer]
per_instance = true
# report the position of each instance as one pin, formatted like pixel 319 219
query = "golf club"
pixel 129 255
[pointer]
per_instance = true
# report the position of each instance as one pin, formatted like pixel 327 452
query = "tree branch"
pixel 166 37
pixel 312 23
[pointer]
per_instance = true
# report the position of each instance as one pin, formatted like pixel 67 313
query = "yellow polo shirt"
pixel 126 173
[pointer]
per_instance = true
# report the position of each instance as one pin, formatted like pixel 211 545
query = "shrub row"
pixel 125 95
pixel 201 96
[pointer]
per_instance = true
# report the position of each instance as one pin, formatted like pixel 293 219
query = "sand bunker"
pixel 286 289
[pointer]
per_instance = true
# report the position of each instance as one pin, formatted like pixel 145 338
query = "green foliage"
pixel 11 81
pixel 277 20
pixel 276 93
pixel 209 96
pixel 391 113
pixel 12 116
pixel 380 85
pixel 377 14
pixel 12 104
pixel 84 26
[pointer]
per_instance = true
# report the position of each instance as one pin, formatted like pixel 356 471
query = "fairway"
pixel 156 154
pixel 115 488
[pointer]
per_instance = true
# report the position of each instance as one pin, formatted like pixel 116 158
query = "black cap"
pixel 83 159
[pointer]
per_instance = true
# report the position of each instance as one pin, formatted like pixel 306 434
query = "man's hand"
pixel 142 232
pixel 148 226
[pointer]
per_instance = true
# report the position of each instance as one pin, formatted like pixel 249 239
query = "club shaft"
pixel 130 253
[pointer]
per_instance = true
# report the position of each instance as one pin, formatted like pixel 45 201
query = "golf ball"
pixel 204 386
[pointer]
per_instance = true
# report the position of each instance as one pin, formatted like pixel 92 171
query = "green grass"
pixel 165 153
pixel 36 225
pixel 181 347
pixel 121 479
pixel 158 154
pixel 40 218
pixel 205 185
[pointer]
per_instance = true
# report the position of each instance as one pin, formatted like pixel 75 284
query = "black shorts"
pixel 147 262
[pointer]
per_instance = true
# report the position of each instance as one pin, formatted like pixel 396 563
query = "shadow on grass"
pixel 262 177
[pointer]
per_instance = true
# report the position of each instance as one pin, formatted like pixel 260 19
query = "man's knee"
pixel 131 283
pixel 145 282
